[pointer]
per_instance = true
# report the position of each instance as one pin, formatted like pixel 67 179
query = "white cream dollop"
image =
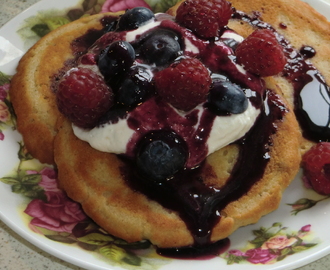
pixel 114 137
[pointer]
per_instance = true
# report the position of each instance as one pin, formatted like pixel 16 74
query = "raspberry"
pixel 184 84
pixel 204 17
pixel 316 168
pixel 261 54
pixel 83 97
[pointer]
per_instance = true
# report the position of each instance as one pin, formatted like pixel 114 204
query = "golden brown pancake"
pixel 30 93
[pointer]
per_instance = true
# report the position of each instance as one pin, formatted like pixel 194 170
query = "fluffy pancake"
pixel 96 179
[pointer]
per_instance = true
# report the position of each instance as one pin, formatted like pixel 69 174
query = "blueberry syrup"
pixel 283 25
pixel 307 51
pixel 196 253
pixel 200 205
pixel 311 92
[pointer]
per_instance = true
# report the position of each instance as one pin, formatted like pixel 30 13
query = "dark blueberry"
pixel 136 87
pixel 160 47
pixel 161 154
pixel 227 98
pixel 135 17
pixel 115 61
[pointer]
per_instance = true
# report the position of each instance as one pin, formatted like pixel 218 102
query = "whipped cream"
pixel 115 137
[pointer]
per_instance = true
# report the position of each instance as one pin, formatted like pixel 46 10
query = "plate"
pixel 297 231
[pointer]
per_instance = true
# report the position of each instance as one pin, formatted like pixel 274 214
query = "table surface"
pixel 16 252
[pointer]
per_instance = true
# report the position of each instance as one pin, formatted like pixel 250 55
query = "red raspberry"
pixel 83 97
pixel 184 84
pixel 316 168
pixel 204 17
pixel 261 54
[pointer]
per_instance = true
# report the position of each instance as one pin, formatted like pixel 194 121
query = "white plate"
pixel 12 204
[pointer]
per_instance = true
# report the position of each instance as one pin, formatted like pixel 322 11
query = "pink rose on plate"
pixel 279 242
pixel 58 213
pixel 306 228
pixel 3 91
pixel 48 180
pixel 118 5
pixel 2 136
pixel 4 112
pixel 258 255
pixel 236 252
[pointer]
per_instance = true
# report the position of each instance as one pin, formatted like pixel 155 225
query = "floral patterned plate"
pixel 33 206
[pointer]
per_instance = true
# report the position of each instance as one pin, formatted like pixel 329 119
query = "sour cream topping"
pixel 116 137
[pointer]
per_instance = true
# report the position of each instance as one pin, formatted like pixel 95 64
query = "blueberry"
pixel 136 87
pixel 161 154
pixel 160 47
pixel 227 98
pixel 133 18
pixel 116 60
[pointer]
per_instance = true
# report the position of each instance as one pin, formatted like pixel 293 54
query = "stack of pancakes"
pixel 95 178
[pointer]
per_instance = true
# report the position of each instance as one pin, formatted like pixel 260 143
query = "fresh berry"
pixel 184 84
pixel 88 59
pixel 261 54
pixel 227 98
pixel 217 58
pixel 204 17
pixel 160 47
pixel 134 18
pixel 136 87
pixel 160 155
pixel 115 61
pixel 316 168
pixel 83 97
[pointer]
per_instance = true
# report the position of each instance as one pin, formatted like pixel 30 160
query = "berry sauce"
pixel 196 253
pixel 283 25
pixel 307 51
pixel 311 92
pixel 200 205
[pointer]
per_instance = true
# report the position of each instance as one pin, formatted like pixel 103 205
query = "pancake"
pixel 37 115
pixel 100 181
pixel 96 180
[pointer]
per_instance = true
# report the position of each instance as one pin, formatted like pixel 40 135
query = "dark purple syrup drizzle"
pixel 307 51
pixel 283 25
pixel 311 92
pixel 196 253
pixel 200 205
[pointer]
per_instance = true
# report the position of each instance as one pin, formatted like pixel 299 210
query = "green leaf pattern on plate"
pixel 271 245
pixel 7 116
